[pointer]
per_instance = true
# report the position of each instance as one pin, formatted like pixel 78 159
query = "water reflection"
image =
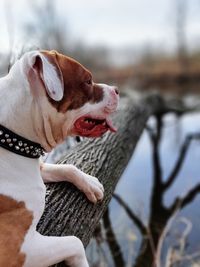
pixel 155 247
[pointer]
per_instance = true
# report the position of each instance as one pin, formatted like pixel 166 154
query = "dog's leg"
pixel 44 251
pixel 90 185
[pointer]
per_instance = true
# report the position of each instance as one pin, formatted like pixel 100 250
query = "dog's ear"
pixel 49 72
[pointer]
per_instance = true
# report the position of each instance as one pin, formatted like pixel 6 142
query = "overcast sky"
pixel 113 23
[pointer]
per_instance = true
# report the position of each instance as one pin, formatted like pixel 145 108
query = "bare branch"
pixel 155 140
pixel 187 199
pixel 181 158
pixel 131 215
pixel 112 241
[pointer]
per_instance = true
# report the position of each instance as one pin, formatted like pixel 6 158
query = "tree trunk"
pixel 67 211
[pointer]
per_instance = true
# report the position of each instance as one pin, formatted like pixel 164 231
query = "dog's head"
pixel 68 87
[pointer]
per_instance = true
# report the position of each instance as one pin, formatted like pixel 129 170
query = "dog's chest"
pixel 20 180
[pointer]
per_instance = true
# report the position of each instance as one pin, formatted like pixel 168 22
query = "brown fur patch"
pixel 15 221
pixel 77 91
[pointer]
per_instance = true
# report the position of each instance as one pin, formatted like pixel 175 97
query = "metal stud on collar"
pixel 19 145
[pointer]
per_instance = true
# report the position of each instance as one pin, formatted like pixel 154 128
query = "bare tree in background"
pixel 50 30
pixel 181 7
pixel 46 29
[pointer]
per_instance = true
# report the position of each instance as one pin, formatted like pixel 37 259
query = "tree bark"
pixel 67 211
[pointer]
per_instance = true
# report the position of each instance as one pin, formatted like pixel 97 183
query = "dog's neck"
pixel 20 112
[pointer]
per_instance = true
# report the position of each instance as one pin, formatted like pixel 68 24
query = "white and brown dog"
pixel 45 97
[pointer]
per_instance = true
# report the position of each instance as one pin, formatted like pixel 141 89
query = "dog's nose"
pixel 115 90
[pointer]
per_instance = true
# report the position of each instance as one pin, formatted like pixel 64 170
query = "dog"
pixel 45 97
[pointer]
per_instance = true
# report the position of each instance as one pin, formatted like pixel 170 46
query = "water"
pixel 151 205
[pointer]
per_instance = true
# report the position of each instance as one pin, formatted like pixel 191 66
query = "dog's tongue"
pixel 112 128
pixel 88 128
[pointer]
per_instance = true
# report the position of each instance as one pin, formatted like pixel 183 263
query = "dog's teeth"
pixel 1 132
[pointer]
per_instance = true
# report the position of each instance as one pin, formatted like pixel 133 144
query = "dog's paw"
pixel 91 187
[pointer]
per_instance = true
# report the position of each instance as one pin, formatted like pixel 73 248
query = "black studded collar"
pixel 19 145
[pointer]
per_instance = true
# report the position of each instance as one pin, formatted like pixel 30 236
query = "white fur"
pixel 22 179
pixel 54 84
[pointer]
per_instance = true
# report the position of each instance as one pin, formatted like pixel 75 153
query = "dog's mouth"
pixel 93 127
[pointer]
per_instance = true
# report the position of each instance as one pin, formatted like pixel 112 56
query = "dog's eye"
pixel 89 82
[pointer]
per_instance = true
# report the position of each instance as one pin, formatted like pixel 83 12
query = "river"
pixel 180 227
